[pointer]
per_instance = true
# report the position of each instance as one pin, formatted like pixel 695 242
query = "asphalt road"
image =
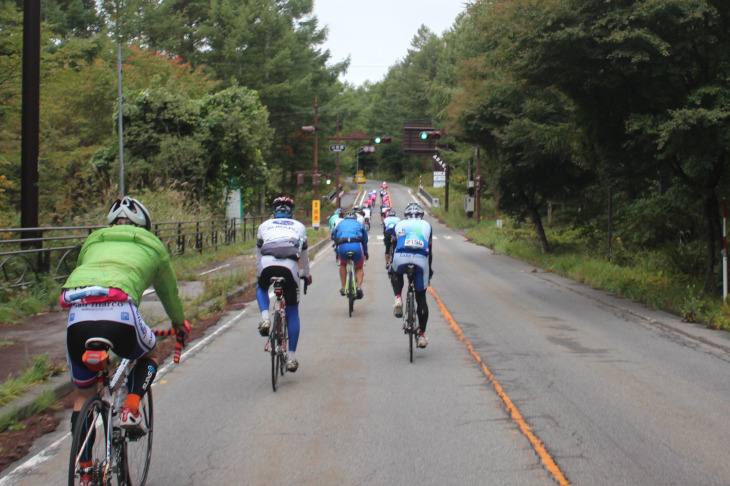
pixel 528 379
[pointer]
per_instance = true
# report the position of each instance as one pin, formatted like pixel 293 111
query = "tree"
pixel 650 82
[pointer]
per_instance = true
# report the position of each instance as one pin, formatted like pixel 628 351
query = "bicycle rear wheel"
pixel 135 450
pixel 88 443
pixel 351 287
pixel 273 344
pixel 284 346
pixel 411 322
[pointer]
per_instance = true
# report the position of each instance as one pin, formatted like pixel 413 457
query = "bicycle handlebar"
pixel 179 338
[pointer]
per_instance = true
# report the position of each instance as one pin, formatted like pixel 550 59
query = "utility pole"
pixel 337 163
pixel 315 178
pixel 30 122
pixel 479 187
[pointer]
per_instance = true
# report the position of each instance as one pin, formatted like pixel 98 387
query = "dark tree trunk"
pixel 711 216
pixel 540 229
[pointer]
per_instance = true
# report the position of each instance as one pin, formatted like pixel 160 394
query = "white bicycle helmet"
pixel 130 208
pixel 413 210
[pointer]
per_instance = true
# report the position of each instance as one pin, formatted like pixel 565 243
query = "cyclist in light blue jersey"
pixel 413 246
pixel 334 218
pixel 388 226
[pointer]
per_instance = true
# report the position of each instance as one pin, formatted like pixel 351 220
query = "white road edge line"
pixel 32 462
pixel 35 461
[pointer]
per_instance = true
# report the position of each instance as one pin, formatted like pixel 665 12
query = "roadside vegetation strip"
pixel 13 388
pixel 550 465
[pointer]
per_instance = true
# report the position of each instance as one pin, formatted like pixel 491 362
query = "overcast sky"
pixel 378 33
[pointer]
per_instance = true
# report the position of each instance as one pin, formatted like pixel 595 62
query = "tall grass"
pixel 13 388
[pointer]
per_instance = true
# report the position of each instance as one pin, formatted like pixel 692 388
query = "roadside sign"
pixel 368 148
pixel 337 148
pixel 439 178
pixel 315 213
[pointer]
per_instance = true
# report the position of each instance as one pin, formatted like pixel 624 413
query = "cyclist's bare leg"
pixel 359 275
pixel 343 275
pixel 81 395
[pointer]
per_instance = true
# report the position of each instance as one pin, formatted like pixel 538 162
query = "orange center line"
pixel 516 416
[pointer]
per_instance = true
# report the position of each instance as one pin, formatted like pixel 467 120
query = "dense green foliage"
pixel 214 95
pixel 617 113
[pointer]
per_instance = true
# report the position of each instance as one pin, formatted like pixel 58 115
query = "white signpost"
pixel 439 176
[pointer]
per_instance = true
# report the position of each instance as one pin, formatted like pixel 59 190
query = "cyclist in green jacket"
pixel 115 266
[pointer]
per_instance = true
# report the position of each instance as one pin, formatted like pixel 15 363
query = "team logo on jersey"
pixel 284 223
pixel 125 316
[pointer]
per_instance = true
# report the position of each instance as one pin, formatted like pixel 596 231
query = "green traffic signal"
pixel 430 135
pixel 377 139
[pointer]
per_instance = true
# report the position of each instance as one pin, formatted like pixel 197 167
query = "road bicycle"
pixel 278 343
pixel 350 282
pixel 108 453
pixel 367 224
pixel 410 326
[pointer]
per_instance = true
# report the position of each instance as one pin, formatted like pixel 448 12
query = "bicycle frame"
pixel 115 459
pixel 120 446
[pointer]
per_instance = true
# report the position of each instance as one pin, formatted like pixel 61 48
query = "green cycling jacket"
pixel 132 259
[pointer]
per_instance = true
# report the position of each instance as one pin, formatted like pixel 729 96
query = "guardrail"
pixel 432 201
pixel 27 254
pixel 333 193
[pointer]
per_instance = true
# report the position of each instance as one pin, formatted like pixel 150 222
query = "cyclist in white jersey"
pixel 413 245
pixel 280 249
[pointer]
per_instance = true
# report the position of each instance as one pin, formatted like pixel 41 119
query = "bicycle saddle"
pixel 98 344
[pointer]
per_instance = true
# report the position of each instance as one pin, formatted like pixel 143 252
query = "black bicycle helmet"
pixel 283 207
pixel 133 210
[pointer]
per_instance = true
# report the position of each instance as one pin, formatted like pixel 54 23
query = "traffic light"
pixel 383 139
pixel 430 135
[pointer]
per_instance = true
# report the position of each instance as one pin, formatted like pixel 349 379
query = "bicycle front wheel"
pixel 88 444
pixel 274 342
pixel 135 449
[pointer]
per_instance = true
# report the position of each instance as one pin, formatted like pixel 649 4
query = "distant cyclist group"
pixel 118 263
pixel 408 242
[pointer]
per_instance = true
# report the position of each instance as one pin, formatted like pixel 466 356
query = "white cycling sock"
pixel 264 315
pixel 292 355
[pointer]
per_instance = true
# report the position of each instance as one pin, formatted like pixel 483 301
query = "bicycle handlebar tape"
pixel 180 342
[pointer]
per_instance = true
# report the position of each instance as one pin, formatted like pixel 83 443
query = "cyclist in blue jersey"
pixel 388 225
pixel 350 235
pixel 413 245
